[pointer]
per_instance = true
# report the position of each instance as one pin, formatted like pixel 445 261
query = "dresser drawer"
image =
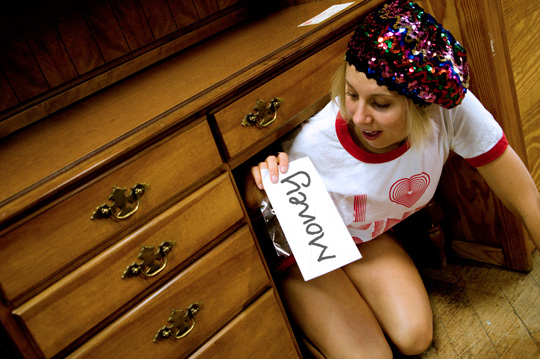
pixel 299 87
pixel 223 281
pixel 45 245
pixel 98 286
pixel 258 332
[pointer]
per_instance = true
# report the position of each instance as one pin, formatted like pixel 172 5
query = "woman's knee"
pixel 415 339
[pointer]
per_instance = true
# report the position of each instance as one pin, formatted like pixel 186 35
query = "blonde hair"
pixel 419 124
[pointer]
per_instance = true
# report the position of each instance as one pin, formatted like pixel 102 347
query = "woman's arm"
pixel 508 177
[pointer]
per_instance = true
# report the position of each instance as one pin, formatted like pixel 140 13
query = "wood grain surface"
pixel 483 311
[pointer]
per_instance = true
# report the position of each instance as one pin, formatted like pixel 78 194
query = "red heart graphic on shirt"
pixel 407 191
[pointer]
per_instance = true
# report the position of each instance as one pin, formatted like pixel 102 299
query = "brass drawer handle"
pixel 123 206
pixel 152 261
pixel 181 322
pixel 264 113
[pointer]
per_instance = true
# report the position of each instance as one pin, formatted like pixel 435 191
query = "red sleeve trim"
pixel 490 155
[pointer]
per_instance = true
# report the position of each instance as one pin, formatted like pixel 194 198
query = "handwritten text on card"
pixel 311 223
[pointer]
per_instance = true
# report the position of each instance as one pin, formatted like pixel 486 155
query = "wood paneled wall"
pixel 55 52
pixel 522 19
pixel 477 224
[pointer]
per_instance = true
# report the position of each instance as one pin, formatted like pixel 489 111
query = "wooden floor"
pixel 483 311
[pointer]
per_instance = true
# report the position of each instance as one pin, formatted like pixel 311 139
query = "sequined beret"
pixel 407 50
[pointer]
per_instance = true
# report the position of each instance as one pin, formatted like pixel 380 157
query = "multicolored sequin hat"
pixel 406 49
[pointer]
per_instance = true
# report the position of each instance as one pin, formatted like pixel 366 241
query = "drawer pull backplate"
pixel 123 205
pixel 264 113
pixel 181 322
pixel 152 261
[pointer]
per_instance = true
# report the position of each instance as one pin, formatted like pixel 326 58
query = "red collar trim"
pixel 346 140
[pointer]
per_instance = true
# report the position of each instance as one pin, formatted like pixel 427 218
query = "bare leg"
pixel 389 282
pixel 333 316
pixel 345 313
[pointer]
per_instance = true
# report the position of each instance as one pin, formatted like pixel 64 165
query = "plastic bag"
pixel 274 229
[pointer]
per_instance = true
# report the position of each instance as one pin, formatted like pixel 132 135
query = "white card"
pixel 326 14
pixel 310 221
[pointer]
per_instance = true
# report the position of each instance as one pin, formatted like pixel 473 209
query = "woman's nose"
pixel 361 114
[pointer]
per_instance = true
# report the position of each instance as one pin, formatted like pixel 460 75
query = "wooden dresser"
pixel 123 232
pixel 122 225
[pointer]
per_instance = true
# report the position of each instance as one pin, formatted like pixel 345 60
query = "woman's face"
pixel 379 115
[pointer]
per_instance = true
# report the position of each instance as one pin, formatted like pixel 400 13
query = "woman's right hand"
pixel 275 165
pixel 253 187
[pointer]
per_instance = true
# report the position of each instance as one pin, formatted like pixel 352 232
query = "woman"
pixel 400 105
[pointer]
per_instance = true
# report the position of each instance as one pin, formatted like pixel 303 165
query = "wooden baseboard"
pixel 478 252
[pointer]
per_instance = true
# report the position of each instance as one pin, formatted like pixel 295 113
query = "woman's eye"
pixel 381 105
pixel 351 95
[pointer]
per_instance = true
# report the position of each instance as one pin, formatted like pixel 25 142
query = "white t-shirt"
pixel 373 192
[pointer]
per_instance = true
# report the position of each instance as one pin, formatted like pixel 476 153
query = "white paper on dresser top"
pixel 310 221
pixel 326 14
